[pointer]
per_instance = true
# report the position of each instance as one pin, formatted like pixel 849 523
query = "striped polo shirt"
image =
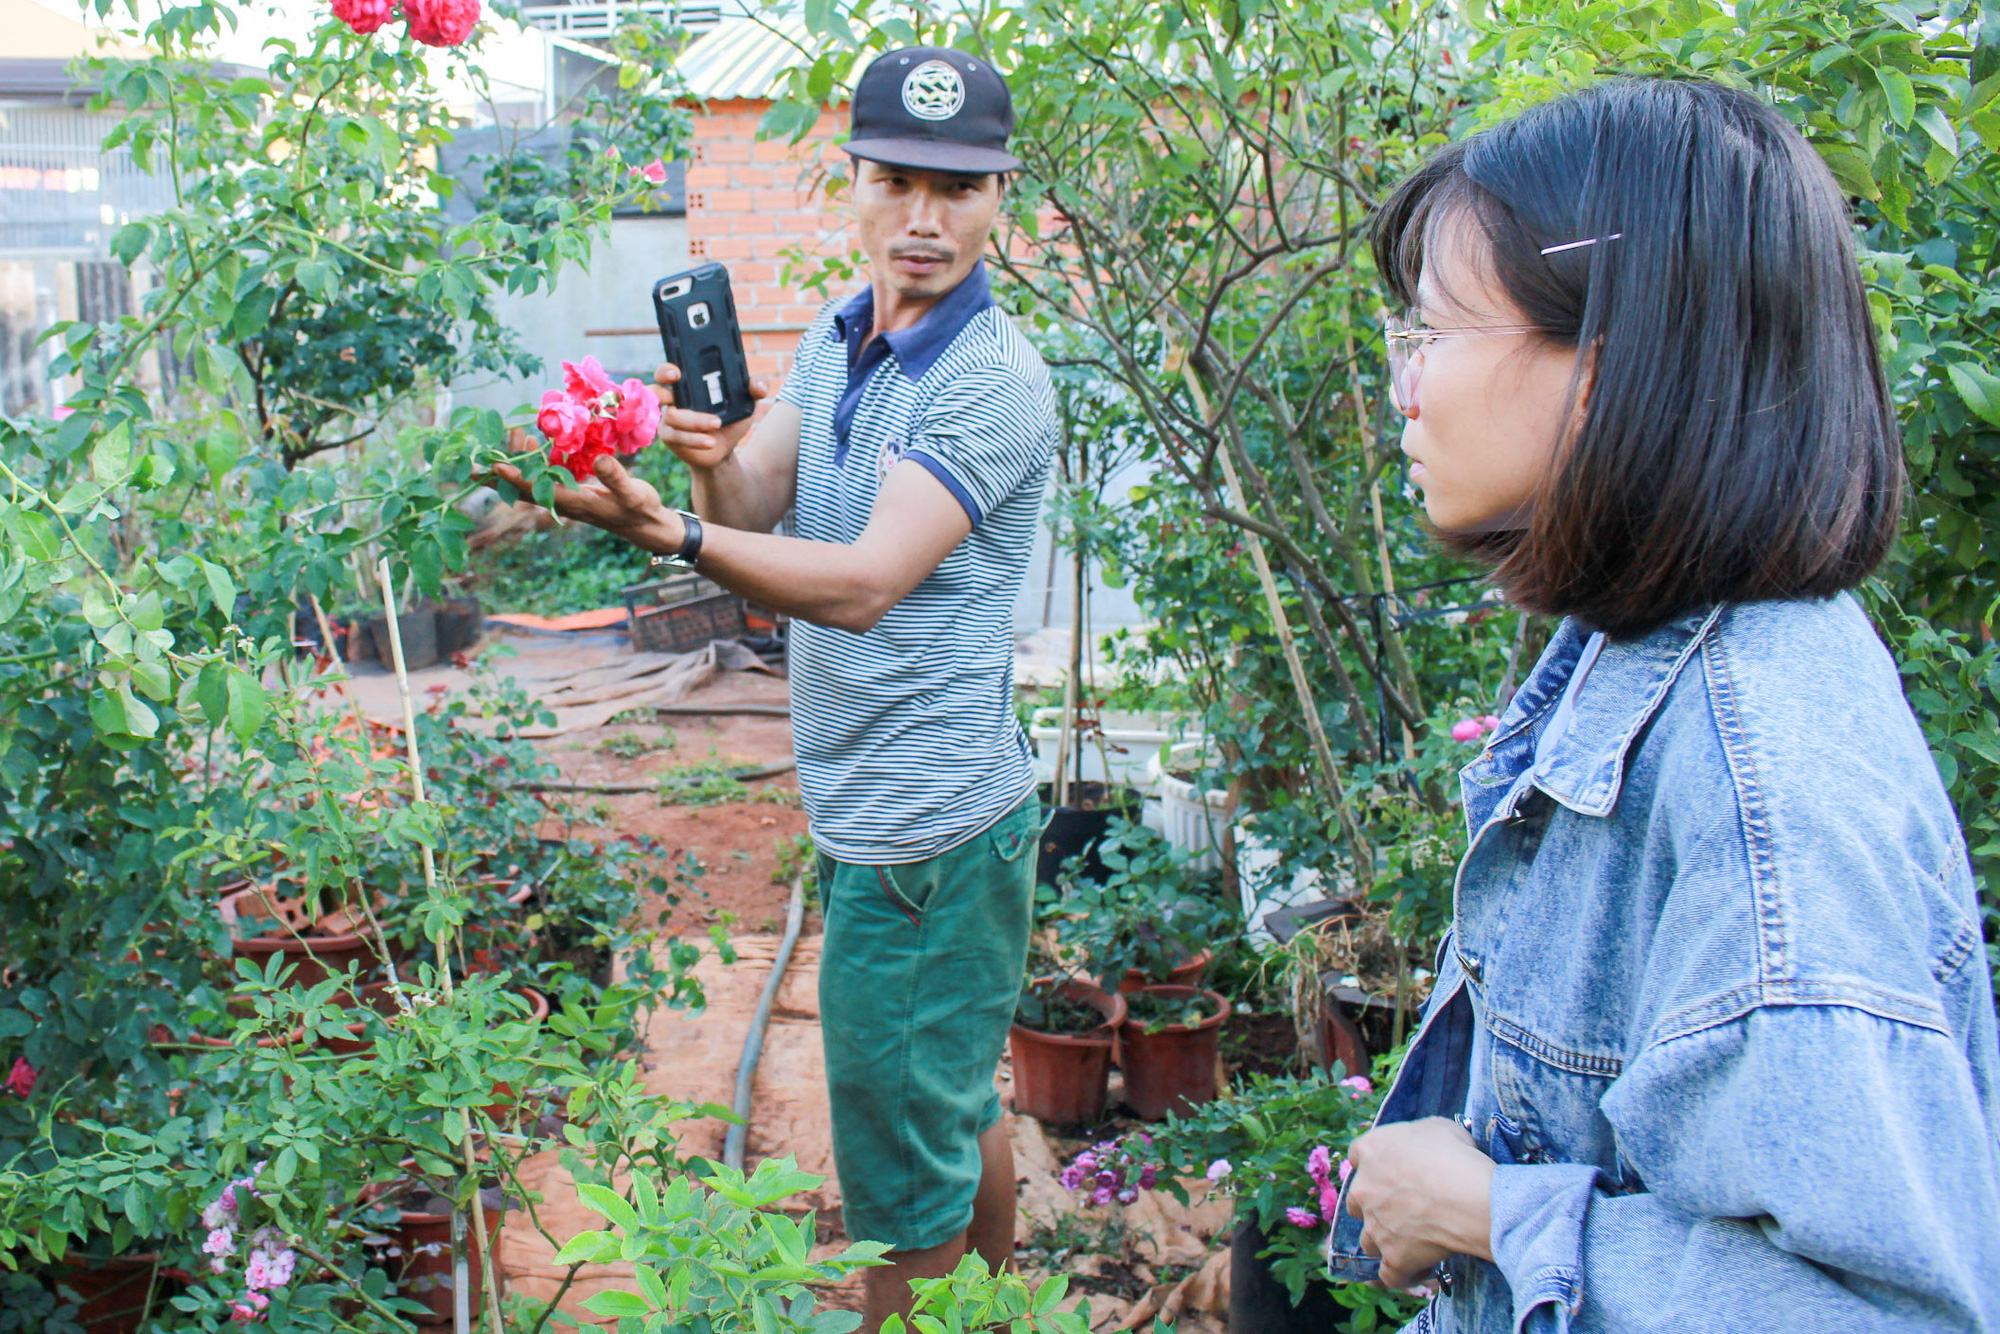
pixel 906 736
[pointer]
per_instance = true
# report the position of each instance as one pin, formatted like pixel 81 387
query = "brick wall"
pixel 748 202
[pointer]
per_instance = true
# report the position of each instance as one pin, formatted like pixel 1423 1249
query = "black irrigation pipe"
pixel 720 710
pixel 753 1044
pixel 633 789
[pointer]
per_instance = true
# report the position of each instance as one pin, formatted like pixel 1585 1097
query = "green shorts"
pixel 919 972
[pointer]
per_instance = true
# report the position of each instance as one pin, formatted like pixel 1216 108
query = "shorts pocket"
pixel 1016 833
pixel 910 902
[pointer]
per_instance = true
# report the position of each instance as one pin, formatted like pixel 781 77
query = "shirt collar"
pixel 1584 768
pixel 918 346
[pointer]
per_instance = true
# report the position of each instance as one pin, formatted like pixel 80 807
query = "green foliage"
pixel 707 782
pixel 1151 912
pixel 716 1251
pixel 1264 1131
pixel 630 745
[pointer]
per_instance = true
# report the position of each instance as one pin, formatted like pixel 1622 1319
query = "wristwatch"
pixel 690 550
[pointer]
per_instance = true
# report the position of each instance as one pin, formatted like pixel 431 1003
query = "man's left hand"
pixel 615 501
pixel 1423 1191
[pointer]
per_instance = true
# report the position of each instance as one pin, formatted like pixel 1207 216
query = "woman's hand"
pixel 1422 1191
pixel 699 438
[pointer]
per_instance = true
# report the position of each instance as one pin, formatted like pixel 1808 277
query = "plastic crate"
pixel 682 613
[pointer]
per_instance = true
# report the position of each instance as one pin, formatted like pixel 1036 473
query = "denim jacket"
pixel 1715 999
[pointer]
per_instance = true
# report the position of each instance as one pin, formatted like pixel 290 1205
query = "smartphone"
pixel 698 329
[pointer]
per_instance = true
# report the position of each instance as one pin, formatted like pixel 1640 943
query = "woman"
pixel 1712 1045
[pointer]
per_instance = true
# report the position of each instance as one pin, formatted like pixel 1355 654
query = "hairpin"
pixel 1572 245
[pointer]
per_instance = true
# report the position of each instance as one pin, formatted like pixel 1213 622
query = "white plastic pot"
pixel 1131 741
pixel 1190 818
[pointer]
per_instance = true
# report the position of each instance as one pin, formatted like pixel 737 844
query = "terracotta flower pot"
pixel 1172 1070
pixel 323 946
pixel 419 1259
pixel 116 1295
pixel 1060 1079
pixel 163 1038
pixel 1181 975
pixel 381 998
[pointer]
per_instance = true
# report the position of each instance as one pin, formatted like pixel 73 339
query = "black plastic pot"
pixel 1076 828
pixel 1259 1304
pixel 459 621
pixel 420 639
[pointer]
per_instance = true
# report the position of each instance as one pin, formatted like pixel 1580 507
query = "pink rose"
pixel 441 22
pixel 1346 1171
pixel 1219 1169
pixel 1319 1163
pixel 1467 729
pixel 21 1079
pixel 562 419
pixel 248 1309
pixel 1359 1084
pixel 586 382
pixel 1329 1201
pixel 638 420
pixel 1298 1217
pixel 364 16
pixel 654 171
pixel 1488 723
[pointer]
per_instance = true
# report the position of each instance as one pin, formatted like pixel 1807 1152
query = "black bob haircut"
pixel 1736 441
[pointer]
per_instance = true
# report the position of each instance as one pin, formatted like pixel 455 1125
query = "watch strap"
pixel 690 548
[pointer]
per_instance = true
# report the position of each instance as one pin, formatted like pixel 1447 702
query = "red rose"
pixel 21 1079
pixel 364 16
pixel 441 22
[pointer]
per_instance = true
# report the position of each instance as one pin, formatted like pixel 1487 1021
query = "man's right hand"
pixel 700 438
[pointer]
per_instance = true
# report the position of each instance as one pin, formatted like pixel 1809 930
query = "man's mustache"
pixel 922 252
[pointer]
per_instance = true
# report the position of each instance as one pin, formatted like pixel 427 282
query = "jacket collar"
pixel 1584 768
pixel 918 346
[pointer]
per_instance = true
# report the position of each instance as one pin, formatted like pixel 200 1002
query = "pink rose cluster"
pixel 268 1263
pixel 1325 1179
pixel 432 22
pixel 1112 1170
pixel 1471 729
pixel 590 417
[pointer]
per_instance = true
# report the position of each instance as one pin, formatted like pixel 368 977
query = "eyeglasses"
pixel 1407 342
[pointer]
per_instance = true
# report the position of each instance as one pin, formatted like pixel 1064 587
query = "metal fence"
pixel 601 18
pixel 59 190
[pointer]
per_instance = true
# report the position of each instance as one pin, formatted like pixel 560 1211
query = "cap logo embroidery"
pixel 933 91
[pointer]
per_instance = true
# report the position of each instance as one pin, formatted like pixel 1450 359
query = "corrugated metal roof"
pixel 743 58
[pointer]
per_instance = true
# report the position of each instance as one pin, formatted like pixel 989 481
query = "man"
pixel 910 446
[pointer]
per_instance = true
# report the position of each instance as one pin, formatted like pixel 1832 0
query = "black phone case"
pixel 698 329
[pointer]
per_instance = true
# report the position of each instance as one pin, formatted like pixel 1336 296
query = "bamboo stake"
pixel 443 957
pixel 1363 856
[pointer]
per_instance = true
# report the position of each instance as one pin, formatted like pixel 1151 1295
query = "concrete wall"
pixel 569 323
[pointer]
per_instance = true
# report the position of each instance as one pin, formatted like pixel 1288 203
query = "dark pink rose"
pixel 364 16
pixel 441 22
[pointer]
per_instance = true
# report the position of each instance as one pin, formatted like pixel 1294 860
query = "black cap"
pixel 933 108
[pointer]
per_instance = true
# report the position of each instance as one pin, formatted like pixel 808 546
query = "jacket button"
pixel 1471 966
